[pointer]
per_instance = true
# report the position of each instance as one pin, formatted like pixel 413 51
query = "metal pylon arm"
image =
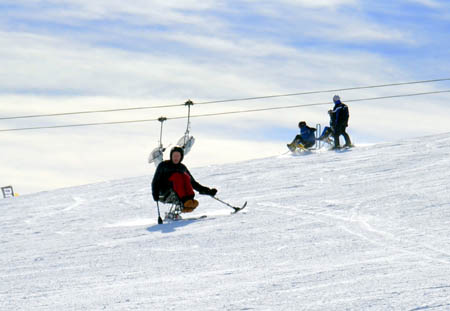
pixel 161 119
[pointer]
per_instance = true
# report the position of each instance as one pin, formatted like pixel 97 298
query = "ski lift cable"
pixel 224 113
pixel 89 111
pixel 225 100
pixel 323 91
pixel 314 104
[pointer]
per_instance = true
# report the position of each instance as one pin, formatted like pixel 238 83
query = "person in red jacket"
pixel 172 174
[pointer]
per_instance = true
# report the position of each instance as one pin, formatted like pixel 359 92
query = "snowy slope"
pixel 366 229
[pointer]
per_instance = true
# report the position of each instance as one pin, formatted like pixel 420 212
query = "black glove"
pixel 212 192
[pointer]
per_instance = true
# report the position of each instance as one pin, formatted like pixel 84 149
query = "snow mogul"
pixel 306 139
pixel 174 184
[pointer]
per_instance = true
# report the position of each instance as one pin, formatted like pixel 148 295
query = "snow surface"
pixel 364 229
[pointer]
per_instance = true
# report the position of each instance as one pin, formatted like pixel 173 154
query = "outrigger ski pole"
pixel 160 221
pixel 236 209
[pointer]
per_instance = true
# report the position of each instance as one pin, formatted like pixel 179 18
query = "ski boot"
pixel 189 206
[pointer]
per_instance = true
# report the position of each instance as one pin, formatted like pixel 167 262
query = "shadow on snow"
pixel 172 226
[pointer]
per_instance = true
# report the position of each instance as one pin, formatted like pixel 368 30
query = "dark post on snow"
pixel 8 192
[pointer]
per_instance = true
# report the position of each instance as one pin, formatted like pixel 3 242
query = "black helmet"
pixel 301 124
pixel 177 149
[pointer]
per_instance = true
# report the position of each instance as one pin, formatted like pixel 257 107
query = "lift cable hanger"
pixel 186 142
pixel 156 156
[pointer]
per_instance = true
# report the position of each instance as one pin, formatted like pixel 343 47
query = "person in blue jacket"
pixel 339 122
pixel 306 137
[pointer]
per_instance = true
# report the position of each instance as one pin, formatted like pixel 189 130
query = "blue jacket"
pixel 307 134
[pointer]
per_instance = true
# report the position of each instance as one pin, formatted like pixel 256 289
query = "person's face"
pixel 176 157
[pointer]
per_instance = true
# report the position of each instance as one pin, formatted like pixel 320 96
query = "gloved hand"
pixel 212 192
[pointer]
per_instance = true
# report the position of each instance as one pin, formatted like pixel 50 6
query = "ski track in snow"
pixel 358 226
pixel 364 229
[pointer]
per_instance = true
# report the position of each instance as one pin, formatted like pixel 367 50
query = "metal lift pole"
pixel 161 119
pixel 189 103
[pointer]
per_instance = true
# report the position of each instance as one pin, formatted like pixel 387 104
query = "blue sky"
pixel 88 55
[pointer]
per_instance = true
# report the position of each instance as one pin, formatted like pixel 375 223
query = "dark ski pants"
pixel 341 131
pixel 181 184
pixel 327 131
pixel 300 139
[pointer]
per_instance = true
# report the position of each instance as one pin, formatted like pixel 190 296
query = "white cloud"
pixel 314 4
pixel 355 30
pixel 429 3
pixel 327 19
pixel 244 66
pixel 331 23
pixel 155 12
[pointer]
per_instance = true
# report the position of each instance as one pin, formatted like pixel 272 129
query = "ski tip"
pixel 238 209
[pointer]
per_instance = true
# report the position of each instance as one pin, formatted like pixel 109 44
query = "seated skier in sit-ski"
pixel 173 175
pixel 306 137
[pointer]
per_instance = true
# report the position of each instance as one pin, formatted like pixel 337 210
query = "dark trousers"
pixel 327 131
pixel 341 131
pixel 300 139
